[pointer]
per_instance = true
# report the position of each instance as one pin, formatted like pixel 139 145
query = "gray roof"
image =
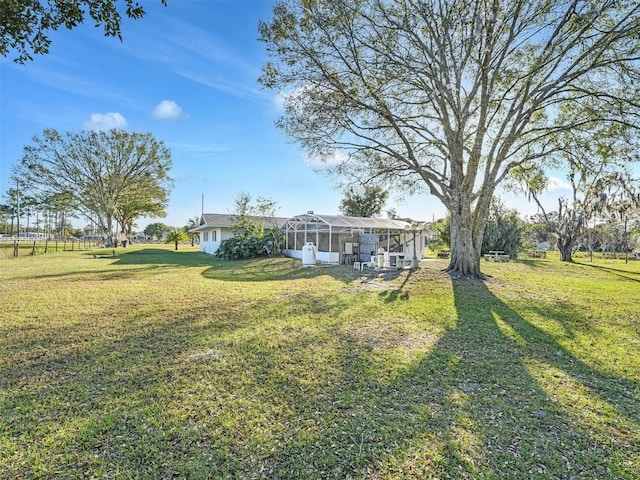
pixel 222 220
pixel 341 221
pixel 225 220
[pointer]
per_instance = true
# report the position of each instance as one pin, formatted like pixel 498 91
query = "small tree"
pixel 442 229
pixel 140 200
pixel 156 230
pixel 192 223
pixel 5 216
pixel 255 234
pixel 504 230
pixel 536 231
pixel 176 236
pixel 243 226
pixel 366 203
pixel 250 218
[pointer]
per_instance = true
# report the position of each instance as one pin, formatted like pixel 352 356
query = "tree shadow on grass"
pixel 531 262
pixel 553 389
pixel 230 395
pixel 137 260
pixel 262 269
pixel 399 293
pixel 494 397
pixel 163 257
pixel 276 269
pixel 625 274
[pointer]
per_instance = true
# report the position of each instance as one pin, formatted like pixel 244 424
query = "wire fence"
pixel 21 246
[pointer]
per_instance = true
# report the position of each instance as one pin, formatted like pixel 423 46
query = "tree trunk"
pixel 465 247
pixel 566 249
pixel 109 232
pixel 176 245
pixel 467 230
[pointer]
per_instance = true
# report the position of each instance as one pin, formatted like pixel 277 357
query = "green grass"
pixel 158 364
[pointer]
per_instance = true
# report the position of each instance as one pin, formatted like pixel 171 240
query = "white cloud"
pixel 557 185
pixel 105 121
pixel 169 110
pixel 336 158
pixel 279 100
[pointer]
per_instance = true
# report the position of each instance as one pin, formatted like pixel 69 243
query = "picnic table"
pixel 496 256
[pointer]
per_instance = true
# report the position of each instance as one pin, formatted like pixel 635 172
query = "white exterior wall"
pixel 321 257
pixel 211 246
pixel 293 254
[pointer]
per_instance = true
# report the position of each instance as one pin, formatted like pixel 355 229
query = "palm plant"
pixel 176 236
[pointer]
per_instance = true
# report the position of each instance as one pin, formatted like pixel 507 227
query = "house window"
pixel 214 236
pixel 205 236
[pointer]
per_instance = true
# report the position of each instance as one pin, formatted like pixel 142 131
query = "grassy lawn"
pixel 158 364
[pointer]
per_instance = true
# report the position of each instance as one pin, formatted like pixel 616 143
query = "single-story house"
pixel 336 239
pixel 214 228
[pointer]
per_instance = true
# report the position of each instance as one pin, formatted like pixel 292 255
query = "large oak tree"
pixel 110 174
pixel 449 95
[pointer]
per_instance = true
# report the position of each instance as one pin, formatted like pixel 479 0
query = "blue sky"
pixel 187 73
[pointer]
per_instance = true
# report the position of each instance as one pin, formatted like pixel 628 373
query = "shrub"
pixel 250 246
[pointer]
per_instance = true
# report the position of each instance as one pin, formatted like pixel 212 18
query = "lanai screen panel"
pixel 323 230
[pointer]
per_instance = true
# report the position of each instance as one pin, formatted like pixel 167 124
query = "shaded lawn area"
pixel 159 364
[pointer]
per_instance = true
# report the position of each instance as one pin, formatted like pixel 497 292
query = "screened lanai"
pixel 345 240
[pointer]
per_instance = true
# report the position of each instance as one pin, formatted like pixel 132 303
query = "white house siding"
pixel 211 246
pixel 321 257
pixel 215 228
pixel 206 244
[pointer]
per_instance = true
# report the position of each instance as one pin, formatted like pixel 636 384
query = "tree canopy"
pixel 176 236
pixel 251 218
pixel 26 23
pixel 449 95
pixel 111 175
pixel 367 202
pixel 255 233
pixel 596 162
pixel 504 230
pixel 157 230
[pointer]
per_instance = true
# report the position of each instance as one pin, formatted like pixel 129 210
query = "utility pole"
pixel 18 206
pixel 626 241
